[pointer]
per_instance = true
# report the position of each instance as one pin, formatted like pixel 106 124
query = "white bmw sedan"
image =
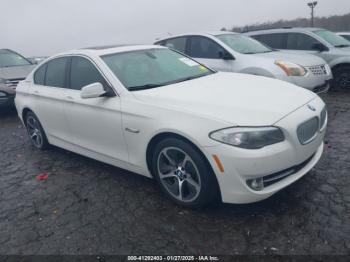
pixel 203 135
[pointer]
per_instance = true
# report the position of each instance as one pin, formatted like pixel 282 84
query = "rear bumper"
pixel 7 101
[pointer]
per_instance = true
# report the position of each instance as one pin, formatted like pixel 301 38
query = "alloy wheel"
pixel 179 174
pixel 34 132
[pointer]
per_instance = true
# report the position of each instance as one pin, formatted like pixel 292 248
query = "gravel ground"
pixel 87 207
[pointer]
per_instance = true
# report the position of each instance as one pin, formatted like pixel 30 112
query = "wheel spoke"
pixel 39 140
pixel 180 189
pixel 193 183
pixel 185 160
pixel 30 124
pixel 170 160
pixel 168 175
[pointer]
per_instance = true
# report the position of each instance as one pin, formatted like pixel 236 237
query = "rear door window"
pixel 203 47
pixel 276 41
pixel 56 72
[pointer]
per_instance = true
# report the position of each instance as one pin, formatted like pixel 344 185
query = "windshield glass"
pixel 333 39
pixel 243 44
pixel 8 59
pixel 143 69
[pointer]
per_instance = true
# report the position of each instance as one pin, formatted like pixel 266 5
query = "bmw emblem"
pixel 311 107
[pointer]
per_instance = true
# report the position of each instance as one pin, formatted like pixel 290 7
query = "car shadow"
pixel 6 112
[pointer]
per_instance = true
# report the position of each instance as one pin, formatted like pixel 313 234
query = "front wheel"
pixel 342 77
pixel 183 174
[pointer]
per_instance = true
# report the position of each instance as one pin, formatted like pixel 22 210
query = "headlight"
pixel 248 137
pixel 291 69
pixel 2 94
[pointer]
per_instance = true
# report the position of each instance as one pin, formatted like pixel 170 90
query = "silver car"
pixel 13 68
pixel 232 52
pixel 346 35
pixel 323 43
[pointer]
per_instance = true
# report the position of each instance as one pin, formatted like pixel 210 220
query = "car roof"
pixel 285 29
pixel 109 49
pixel 203 33
pixel 343 33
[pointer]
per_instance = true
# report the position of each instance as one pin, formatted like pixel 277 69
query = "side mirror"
pixel 94 90
pixel 226 55
pixel 33 61
pixel 319 47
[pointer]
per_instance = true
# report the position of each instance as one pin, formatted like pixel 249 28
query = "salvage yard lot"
pixel 87 207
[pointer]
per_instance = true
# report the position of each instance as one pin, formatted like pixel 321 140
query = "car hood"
pixel 236 99
pixel 15 72
pixel 303 60
pixel 344 51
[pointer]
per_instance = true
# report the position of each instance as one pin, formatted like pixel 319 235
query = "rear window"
pixel 178 44
pixel 39 76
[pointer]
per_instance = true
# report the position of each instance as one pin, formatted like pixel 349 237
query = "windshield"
pixel 243 44
pixel 143 69
pixel 8 59
pixel 333 39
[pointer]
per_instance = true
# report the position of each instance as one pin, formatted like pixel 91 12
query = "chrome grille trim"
pixel 279 176
pixel 308 130
pixel 318 70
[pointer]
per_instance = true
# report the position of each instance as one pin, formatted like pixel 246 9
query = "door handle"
pixel 36 92
pixel 132 130
pixel 69 97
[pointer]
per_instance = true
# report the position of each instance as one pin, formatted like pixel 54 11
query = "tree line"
pixel 333 23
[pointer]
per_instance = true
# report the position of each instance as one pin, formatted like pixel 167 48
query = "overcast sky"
pixel 45 27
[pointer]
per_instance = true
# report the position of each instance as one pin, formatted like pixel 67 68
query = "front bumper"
pixel 317 84
pixel 241 165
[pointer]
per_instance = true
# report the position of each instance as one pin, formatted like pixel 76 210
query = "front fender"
pixel 257 71
pixel 340 60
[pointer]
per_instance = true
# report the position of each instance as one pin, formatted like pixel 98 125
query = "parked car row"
pixel 13 68
pixel 203 134
pixel 333 48
pixel 231 52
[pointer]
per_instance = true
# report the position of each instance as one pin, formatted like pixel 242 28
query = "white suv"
pixel 231 52
pixel 323 43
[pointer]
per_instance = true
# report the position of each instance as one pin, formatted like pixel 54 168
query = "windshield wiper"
pixel 341 46
pixel 144 87
pixel 187 79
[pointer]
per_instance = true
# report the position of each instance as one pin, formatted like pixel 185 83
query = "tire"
pixel 342 77
pixel 198 183
pixel 35 131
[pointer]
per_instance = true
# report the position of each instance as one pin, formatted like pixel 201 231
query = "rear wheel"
pixel 183 174
pixel 35 131
pixel 342 77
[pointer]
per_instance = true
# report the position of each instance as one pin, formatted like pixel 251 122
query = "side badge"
pixel 311 108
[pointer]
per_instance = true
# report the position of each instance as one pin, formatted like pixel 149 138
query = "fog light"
pixel 256 184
